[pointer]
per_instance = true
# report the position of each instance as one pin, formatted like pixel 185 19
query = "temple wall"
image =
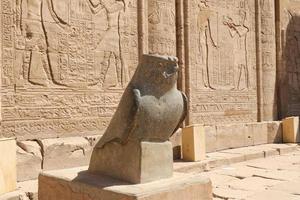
pixel 65 63
pixel 221 56
pixel 288 55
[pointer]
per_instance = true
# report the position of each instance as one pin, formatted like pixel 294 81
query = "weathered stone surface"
pixel 8 161
pixel 16 195
pixel 30 188
pixel 291 131
pixel 222 88
pixel 193 143
pixel 210 138
pixel 259 132
pixel 176 141
pixel 134 162
pixel 230 136
pixel 275 131
pixel 65 152
pixel 63 74
pixel 288 76
pixel 75 184
pixel 29 160
pixel 274 195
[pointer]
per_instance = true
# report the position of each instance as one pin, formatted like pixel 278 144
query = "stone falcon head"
pixel 158 70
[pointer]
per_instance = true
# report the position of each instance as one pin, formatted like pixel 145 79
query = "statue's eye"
pixel 160 65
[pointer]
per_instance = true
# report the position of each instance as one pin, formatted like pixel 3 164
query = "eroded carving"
pixel 222 60
pixel 55 49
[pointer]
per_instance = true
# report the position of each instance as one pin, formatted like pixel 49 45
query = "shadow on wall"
pixel 290 70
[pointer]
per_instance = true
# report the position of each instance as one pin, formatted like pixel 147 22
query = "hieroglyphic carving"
pixel 162 27
pixel 268 51
pixel 57 55
pixel 289 71
pixel 222 60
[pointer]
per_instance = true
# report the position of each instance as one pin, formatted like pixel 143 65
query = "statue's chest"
pixel 166 108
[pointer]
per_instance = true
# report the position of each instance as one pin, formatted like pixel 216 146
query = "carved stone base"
pixel 76 184
pixel 134 162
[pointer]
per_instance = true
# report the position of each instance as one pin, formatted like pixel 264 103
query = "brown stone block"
pixel 8 172
pixel 76 184
pixel 176 141
pixel 193 143
pixel 275 132
pixel 291 132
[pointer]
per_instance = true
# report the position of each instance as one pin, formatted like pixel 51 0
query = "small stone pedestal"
pixel 8 160
pixel 291 132
pixel 135 162
pixel 78 184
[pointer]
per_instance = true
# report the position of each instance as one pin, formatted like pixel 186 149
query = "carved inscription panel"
pixel 65 64
pixel 290 69
pixel 222 61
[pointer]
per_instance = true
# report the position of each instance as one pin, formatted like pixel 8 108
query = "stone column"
pixel 268 60
pixel 162 27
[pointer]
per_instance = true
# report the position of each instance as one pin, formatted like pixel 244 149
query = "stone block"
pixel 29 160
pixel 76 184
pixel 259 133
pixel 30 188
pixel 210 138
pixel 8 162
pixel 135 162
pixel 291 130
pixel 176 141
pixel 15 195
pixel 193 143
pixel 274 132
pixel 60 153
pixel 230 136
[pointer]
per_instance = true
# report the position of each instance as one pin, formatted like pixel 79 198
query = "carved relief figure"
pixel 207 44
pixel 35 67
pixel 238 31
pixel 292 52
pixel 110 43
pixel 72 43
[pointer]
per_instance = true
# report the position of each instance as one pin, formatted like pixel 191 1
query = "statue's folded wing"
pixel 124 120
pixel 184 113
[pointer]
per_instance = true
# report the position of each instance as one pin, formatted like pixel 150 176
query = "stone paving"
pixel 273 178
pixel 263 172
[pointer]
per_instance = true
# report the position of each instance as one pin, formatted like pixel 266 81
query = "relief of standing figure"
pixel 207 44
pixel 111 43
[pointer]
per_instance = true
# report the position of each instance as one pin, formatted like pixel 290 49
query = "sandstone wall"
pixel 289 68
pixel 65 63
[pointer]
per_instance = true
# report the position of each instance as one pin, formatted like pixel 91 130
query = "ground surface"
pixel 272 178
pixel 263 172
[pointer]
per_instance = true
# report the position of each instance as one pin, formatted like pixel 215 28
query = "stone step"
pixel 230 156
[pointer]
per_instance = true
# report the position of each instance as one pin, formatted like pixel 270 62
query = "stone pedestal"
pixel 8 177
pixel 77 184
pixel 134 162
pixel 291 132
pixel 193 143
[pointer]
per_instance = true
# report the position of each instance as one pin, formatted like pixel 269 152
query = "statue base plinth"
pixel 135 162
pixel 78 184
